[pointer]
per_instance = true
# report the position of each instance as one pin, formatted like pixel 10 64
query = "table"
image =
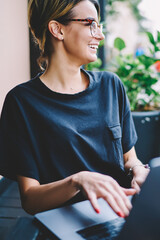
pixel 15 223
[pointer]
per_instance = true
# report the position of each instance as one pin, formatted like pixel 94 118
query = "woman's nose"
pixel 99 35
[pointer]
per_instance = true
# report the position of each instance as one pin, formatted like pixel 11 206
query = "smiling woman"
pixel 39 19
pixel 67 134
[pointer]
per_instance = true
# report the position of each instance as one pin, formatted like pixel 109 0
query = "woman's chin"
pixel 91 59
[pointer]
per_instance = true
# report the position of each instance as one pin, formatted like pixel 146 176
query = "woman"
pixel 68 134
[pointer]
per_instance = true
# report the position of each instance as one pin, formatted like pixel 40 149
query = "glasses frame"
pixel 90 21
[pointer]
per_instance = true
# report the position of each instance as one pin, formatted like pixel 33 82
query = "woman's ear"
pixel 55 29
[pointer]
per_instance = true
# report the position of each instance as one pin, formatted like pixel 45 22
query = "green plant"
pixel 93 65
pixel 139 74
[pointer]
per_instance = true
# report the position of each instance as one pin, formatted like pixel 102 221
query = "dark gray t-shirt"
pixel 48 136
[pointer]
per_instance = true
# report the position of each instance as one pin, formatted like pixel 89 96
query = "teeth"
pixel 93 46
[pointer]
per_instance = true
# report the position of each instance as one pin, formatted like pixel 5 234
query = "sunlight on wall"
pixel 14 45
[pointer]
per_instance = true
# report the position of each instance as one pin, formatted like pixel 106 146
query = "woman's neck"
pixel 64 78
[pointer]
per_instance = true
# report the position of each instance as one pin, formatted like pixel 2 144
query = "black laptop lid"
pixel 143 222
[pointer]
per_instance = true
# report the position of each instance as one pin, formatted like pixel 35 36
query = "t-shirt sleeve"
pixel 16 153
pixel 129 135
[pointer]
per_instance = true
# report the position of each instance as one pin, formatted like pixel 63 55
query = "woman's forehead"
pixel 85 9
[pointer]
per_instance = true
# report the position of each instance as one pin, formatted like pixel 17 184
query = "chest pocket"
pixel 115 133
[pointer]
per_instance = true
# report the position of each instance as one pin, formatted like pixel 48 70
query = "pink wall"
pixel 14 45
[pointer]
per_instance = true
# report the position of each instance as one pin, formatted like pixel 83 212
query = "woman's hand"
pixel 139 176
pixel 139 171
pixel 96 185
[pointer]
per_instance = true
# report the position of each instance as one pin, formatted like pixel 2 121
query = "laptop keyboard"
pixel 105 231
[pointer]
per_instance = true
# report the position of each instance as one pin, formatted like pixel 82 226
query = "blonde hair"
pixel 40 13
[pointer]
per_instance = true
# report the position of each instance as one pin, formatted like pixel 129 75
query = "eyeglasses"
pixel 94 26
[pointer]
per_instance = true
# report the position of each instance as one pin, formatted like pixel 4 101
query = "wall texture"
pixel 14 45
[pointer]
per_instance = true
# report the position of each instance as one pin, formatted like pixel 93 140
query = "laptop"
pixel 79 221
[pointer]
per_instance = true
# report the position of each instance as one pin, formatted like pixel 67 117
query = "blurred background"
pixel 130 19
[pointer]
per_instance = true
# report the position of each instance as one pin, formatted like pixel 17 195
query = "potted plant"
pixel 141 76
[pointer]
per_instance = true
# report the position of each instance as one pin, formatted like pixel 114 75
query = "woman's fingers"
pixel 94 202
pixel 117 199
pixel 119 210
pixel 111 201
pixel 129 191
pixel 135 185
pixel 118 204
pixel 120 193
pixel 95 185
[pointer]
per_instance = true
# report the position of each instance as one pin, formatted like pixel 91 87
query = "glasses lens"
pixel 94 28
pixel 101 27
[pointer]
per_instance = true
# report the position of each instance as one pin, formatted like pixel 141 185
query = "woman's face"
pixel 79 45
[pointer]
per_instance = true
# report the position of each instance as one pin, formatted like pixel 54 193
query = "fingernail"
pixel 97 210
pixel 120 214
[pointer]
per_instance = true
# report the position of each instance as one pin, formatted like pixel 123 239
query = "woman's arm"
pixel 36 198
pixel 139 171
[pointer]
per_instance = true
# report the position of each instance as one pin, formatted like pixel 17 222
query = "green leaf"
pixel 142 101
pixel 151 51
pixel 158 36
pixel 120 61
pixel 151 38
pixel 119 44
pixel 156 49
pixel 93 65
pixel 147 61
pixel 101 43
